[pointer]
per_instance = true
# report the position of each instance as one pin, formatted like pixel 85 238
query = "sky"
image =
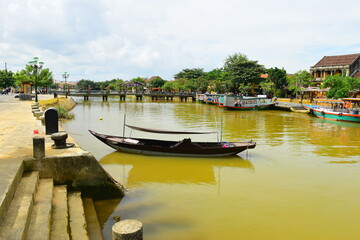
pixel 107 39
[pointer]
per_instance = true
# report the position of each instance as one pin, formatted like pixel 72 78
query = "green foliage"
pixel 6 79
pixel 83 84
pixel 267 87
pixel 157 82
pixel 190 74
pixel 299 80
pixel 63 113
pixel 195 79
pixel 138 80
pixel 278 77
pixel 28 74
pixel 169 86
pixel 244 88
pixel 240 71
pixel 340 86
pixel 181 84
pixel 215 80
pixel 113 84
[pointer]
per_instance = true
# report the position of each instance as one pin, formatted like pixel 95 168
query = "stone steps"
pixel 77 221
pixel 39 210
pixel 17 217
pixel 60 214
pixel 92 221
pixel 40 221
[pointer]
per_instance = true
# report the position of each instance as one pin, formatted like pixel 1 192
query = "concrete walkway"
pixel 17 124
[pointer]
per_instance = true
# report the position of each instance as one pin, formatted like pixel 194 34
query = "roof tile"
pixel 337 60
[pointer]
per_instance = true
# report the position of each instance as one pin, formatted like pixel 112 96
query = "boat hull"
pixel 246 108
pixel 169 148
pixel 334 116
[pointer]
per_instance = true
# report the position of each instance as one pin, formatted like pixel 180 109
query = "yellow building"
pixel 346 65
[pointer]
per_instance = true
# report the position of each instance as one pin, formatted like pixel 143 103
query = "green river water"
pixel 302 181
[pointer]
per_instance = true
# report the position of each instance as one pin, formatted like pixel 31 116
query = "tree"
pixel 157 82
pixel 279 78
pixel 190 74
pixel 215 80
pixel 194 79
pixel 83 84
pixel 44 77
pixel 6 79
pixel 340 86
pixel 181 84
pixel 241 71
pixel 244 88
pixel 169 86
pixel 299 80
pixel 267 87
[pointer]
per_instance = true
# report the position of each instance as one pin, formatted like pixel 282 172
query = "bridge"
pixel 123 94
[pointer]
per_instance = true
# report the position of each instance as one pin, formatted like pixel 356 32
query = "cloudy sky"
pixel 102 40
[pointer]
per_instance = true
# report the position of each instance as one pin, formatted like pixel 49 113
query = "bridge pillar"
pixel 86 97
pixel 105 97
pixel 122 96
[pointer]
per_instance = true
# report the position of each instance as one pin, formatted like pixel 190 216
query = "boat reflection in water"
pixel 133 170
pixel 151 177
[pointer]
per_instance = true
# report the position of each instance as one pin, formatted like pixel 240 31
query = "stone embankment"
pixel 50 197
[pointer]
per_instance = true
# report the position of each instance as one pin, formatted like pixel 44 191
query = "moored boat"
pixel 185 147
pixel 247 103
pixel 346 109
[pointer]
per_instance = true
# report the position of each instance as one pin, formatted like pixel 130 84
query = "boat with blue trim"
pixel 346 109
pixel 241 103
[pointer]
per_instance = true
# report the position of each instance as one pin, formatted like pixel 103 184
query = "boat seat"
pixel 186 143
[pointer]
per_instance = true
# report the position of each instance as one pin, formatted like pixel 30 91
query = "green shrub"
pixel 63 113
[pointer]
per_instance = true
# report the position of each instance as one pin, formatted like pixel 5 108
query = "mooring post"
pixel 127 230
pixel 39 147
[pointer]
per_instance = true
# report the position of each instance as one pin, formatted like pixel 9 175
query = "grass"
pixel 63 113
pixel 62 106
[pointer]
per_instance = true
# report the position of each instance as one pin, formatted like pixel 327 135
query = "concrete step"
pixel 16 220
pixel 60 216
pixel 77 221
pixel 11 171
pixel 92 221
pixel 40 221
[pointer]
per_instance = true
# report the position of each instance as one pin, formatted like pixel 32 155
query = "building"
pixel 346 65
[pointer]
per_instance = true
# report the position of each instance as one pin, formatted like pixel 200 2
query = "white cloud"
pixel 101 40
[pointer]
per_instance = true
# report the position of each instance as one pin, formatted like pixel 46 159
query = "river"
pixel 302 181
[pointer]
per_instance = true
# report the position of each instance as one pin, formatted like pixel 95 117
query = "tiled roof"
pixel 337 60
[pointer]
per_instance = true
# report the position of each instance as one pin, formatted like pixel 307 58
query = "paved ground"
pixel 17 125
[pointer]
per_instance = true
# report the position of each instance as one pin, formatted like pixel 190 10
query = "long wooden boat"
pixel 346 109
pixel 185 147
pixel 246 103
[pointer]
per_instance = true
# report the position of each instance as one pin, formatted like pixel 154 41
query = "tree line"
pixel 238 75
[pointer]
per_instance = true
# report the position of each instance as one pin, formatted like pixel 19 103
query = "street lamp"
pixel 65 76
pixel 36 65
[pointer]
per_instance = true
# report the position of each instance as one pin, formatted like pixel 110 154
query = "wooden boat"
pixel 346 109
pixel 299 109
pixel 185 147
pixel 246 103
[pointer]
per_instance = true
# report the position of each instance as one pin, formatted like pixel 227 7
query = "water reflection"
pixel 335 139
pixel 136 169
